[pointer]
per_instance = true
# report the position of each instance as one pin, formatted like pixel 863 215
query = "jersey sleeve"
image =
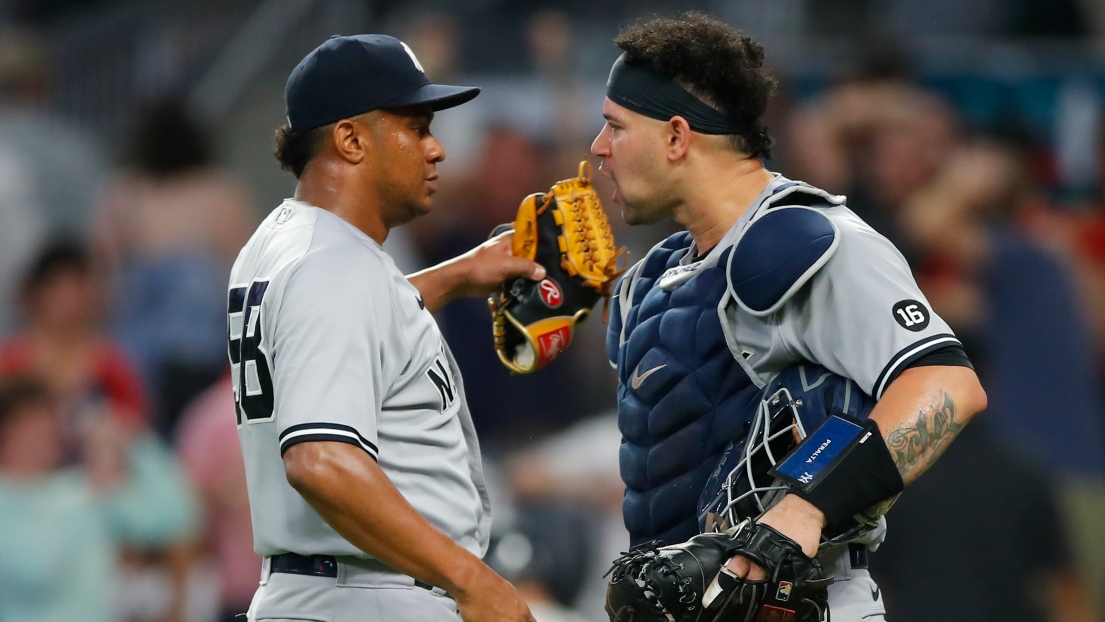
pixel 863 315
pixel 328 350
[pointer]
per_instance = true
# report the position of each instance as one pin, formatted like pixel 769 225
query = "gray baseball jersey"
pixel 330 342
pixel 862 315
pixel 855 308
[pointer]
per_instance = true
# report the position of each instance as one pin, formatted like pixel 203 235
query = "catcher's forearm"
pixel 350 491
pixel 918 417
pixel 923 411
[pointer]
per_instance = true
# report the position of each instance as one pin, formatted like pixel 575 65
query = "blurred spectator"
pixel 62 340
pixel 545 555
pixel 208 446
pixel 36 149
pixel 1015 304
pixel 553 47
pixel 877 140
pixel 949 204
pixel 1077 233
pixel 438 38
pixel 1005 556
pixel 63 527
pixel 578 467
pixel 171 225
pixel 64 163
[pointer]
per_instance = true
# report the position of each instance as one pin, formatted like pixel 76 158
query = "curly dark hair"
pixel 295 149
pixel 715 62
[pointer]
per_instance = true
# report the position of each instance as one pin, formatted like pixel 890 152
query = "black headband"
pixel 646 92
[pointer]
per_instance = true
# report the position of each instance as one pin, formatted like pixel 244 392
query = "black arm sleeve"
pixel 952 355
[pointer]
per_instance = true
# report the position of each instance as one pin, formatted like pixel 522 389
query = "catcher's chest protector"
pixel 681 395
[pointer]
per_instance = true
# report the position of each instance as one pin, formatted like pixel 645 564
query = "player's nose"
pixel 600 147
pixel 434 151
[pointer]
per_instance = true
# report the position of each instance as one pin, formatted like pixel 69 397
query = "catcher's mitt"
pixel 566 231
pixel 686 582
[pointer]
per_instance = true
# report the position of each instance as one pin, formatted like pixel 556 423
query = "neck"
pixel 712 208
pixel 326 185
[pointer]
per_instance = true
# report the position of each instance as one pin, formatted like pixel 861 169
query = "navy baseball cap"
pixel 348 76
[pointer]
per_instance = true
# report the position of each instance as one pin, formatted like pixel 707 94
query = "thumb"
pixel 739 566
pixel 521 267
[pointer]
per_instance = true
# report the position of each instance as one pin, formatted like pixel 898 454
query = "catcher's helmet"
pixel 792 406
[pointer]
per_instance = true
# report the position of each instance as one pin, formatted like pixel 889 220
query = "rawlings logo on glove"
pixel 688 582
pixel 566 231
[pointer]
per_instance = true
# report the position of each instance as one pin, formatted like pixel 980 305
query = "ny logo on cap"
pixel 414 58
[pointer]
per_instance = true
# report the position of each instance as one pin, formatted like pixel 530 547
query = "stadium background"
pixel 135 156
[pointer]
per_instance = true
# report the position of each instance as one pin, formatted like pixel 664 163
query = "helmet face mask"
pixel 748 491
pixel 794 405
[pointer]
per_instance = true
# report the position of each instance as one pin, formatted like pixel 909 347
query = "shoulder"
pixel 305 265
pixel 337 272
pixel 337 252
pixel 780 251
pixel 345 255
pixel 799 232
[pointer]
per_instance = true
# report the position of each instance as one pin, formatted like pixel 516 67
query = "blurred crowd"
pixel 122 489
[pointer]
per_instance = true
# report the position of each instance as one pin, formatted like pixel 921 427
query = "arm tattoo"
pixel 916 445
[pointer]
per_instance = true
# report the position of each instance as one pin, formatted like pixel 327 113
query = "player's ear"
pixel 677 134
pixel 350 139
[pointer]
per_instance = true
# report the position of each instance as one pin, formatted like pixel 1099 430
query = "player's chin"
pixel 642 208
pixel 425 203
pixel 632 214
pixel 629 217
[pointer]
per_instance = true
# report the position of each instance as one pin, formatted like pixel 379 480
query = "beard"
pixel 647 209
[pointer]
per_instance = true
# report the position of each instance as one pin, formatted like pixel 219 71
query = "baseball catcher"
pixel 800 410
pixel 566 231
